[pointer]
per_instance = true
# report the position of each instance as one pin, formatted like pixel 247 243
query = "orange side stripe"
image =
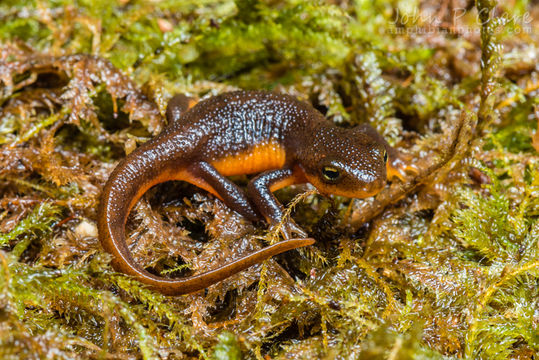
pixel 262 157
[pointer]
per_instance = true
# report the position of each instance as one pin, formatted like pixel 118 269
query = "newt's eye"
pixel 330 173
pixel 385 157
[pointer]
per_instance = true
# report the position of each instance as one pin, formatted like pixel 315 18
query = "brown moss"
pixel 443 264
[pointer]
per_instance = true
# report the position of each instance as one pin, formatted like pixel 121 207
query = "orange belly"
pixel 262 157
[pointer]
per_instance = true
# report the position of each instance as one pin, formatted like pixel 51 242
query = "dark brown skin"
pixel 244 132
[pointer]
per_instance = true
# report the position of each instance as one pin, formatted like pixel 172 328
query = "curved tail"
pixel 128 182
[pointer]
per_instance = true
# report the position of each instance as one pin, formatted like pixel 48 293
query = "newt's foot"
pixel 401 166
pixel 287 228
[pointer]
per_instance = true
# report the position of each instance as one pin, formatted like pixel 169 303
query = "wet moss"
pixel 441 265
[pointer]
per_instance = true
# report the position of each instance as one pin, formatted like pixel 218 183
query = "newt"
pixel 284 140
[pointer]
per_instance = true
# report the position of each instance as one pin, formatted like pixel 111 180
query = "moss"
pixel 38 222
pixel 227 348
pixel 372 96
pixel 442 265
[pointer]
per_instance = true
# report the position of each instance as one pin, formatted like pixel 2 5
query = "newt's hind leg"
pixel 232 195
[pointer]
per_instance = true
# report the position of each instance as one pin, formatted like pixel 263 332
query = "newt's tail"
pixel 128 182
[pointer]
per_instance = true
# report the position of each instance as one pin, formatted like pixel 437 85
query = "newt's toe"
pixel 401 167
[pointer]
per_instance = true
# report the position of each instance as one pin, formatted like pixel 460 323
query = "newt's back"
pixel 240 121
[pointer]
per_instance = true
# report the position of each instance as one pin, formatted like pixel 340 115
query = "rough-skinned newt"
pixel 283 139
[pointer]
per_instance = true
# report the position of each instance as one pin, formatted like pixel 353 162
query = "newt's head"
pixel 344 162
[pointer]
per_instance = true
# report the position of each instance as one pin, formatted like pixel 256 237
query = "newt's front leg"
pixel 207 177
pixel 260 191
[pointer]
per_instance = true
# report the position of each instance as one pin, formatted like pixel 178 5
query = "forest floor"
pixel 441 265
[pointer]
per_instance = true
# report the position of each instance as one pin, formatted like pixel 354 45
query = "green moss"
pixel 227 348
pixel 37 223
pixel 448 270
pixel 373 96
pixel 487 225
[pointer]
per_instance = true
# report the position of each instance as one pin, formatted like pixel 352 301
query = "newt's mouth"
pixel 357 192
pixel 365 193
